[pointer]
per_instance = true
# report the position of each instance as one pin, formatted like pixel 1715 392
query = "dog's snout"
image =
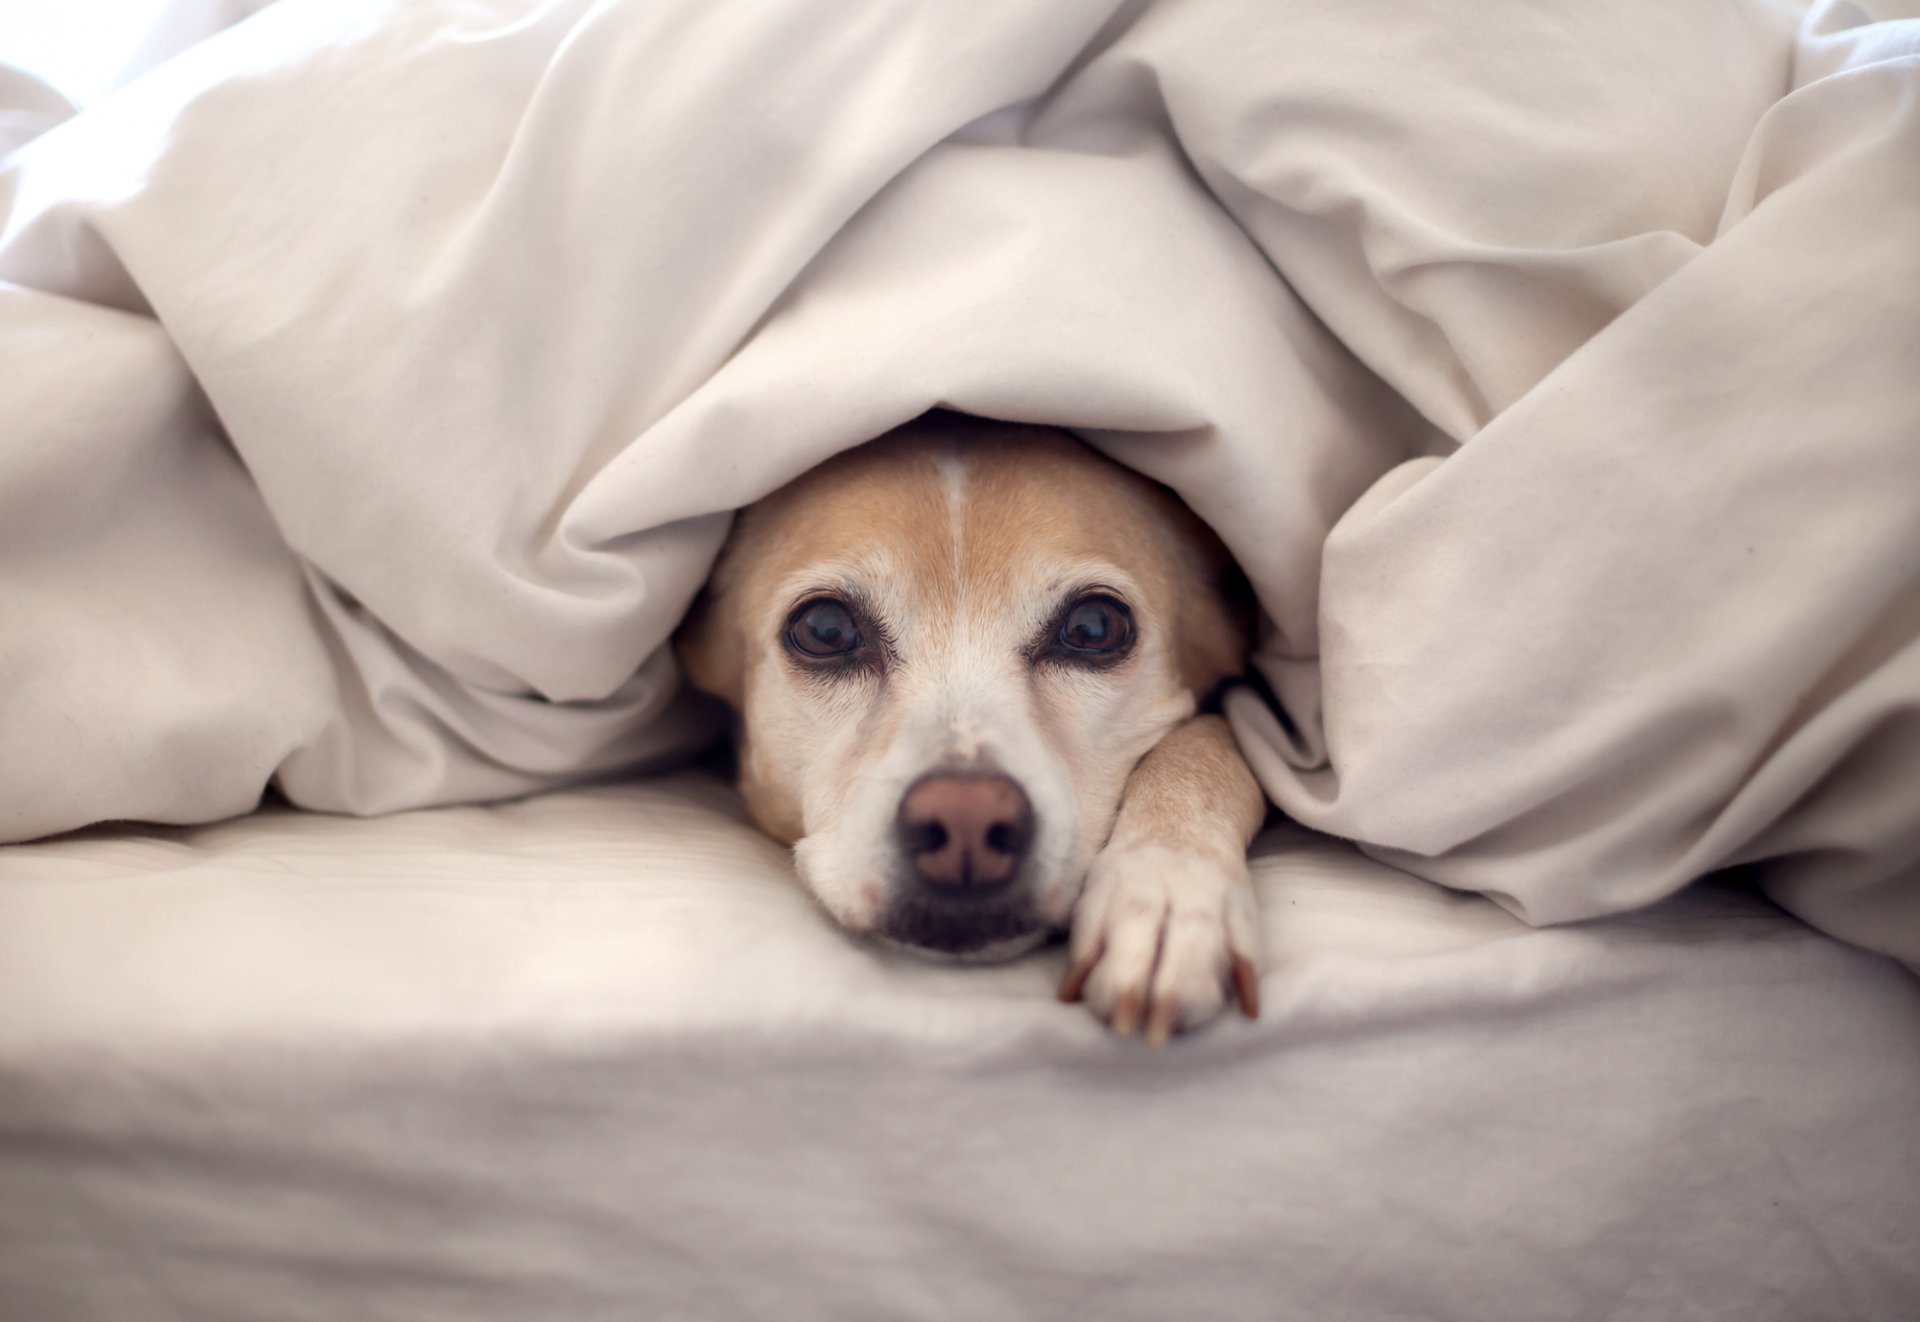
pixel 965 831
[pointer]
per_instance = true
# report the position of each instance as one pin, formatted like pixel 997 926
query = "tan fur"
pixel 1193 790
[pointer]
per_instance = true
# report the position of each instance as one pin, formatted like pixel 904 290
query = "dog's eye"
pixel 824 628
pixel 1096 624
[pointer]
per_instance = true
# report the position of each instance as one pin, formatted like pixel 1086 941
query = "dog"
pixel 968 663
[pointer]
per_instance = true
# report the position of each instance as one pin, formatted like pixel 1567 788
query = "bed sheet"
pixel 594 1055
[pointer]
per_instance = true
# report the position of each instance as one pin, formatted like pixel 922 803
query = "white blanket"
pixel 379 376
pixel 595 1057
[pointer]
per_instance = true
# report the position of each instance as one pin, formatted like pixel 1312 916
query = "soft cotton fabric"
pixel 379 378
pixel 596 1056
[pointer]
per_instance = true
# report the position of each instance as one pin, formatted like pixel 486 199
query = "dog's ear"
pixel 1216 633
pixel 710 648
pixel 1217 608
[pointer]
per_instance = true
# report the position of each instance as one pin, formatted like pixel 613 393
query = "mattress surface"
pixel 595 1055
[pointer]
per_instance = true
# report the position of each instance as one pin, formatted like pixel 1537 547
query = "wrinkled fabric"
pixel 595 1056
pixel 380 377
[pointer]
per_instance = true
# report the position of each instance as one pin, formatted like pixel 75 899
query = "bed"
pixel 379 382
pixel 594 1054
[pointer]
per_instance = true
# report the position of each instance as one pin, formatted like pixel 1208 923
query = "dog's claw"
pixel 1161 1023
pixel 1246 985
pixel 1079 969
pixel 1126 1013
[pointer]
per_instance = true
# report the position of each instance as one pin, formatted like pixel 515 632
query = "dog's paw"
pixel 1159 936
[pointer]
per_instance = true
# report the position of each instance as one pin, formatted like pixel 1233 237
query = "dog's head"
pixel 947 649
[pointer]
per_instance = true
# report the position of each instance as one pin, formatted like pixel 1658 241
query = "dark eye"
pixel 1096 624
pixel 824 628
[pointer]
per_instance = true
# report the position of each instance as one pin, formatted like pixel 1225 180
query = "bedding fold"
pixel 593 1055
pixel 380 378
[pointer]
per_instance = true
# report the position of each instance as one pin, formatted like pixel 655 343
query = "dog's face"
pixel 947 649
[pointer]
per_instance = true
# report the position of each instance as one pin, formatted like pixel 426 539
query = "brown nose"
pixel 965 831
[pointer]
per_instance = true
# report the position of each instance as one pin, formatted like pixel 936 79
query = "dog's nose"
pixel 965 831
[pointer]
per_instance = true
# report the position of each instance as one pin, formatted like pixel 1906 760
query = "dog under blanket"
pixel 378 382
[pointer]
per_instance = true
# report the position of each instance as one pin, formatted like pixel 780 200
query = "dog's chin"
pixel 968 932
pixel 998 953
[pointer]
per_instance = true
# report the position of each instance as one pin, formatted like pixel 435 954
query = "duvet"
pixel 379 378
